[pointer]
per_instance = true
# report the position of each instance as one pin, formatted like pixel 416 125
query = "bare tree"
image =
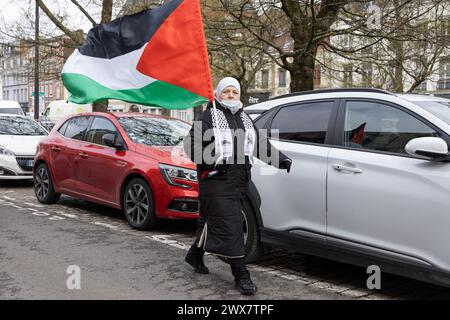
pixel 407 43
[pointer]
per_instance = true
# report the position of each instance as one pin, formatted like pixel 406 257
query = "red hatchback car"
pixel 132 162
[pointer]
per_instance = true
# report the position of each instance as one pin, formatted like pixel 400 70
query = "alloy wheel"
pixel 42 183
pixel 137 204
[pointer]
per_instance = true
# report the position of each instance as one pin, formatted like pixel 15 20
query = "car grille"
pixel 25 163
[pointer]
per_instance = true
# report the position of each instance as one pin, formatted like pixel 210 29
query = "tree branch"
pixel 75 2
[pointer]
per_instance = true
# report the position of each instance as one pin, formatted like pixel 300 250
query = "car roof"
pixel 338 93
pixel 9 104
pixel 120 115
pixel 420 97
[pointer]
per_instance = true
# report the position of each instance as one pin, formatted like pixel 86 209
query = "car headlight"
pixel 175 175
pixel 6 152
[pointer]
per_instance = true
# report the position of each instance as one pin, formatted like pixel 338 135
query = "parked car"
pixel 19 136
pixel 10 107
pixel 58 110
pixel 127 161
pixel 370 180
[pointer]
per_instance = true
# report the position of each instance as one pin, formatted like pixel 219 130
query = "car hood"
pixel 21 145
pixel 168 155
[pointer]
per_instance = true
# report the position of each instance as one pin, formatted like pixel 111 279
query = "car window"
pixel 100 126
pixel 376 126
pixel 262 119
pixel 20 126
pixel 306 122
pixel 63 128
pixel 155 131
pixel 11 111
pixel 77 127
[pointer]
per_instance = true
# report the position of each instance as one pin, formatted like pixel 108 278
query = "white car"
pixel 370 180
pixel 19 137
pixel 10 107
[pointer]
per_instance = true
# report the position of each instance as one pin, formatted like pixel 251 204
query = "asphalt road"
pixel 39 243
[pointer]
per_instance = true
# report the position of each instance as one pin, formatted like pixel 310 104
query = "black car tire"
pixel 138 205
pixel 253 247
pixel 43 185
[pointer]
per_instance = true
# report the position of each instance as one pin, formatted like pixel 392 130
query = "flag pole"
pixel 218 131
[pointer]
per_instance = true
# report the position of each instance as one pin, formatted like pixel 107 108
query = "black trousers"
pixel 238 268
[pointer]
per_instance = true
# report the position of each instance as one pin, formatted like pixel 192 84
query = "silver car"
pixel 370 181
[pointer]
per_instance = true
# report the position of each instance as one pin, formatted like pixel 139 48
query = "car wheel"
pixel 253 246
pixel 43 185
pixel 138 205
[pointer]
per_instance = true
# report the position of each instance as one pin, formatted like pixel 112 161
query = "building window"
pixel 422 85
pixel 281 77
pixel 265 79
pixel 444 76
pixel 50 89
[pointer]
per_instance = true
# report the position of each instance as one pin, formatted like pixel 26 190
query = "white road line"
pixel 109 226
pixel 34 205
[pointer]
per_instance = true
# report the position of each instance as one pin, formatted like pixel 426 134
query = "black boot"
pixel 195 258
pixel 245 286
pixel 242 281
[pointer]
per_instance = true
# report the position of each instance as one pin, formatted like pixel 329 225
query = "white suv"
pixel 370 180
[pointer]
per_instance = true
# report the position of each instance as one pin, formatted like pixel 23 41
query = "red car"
pixel 132 162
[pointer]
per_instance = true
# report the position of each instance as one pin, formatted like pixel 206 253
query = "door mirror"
pixel 109 139
pixel 429 148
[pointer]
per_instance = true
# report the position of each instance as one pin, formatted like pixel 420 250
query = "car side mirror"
pixel 109 139
pixel 429 148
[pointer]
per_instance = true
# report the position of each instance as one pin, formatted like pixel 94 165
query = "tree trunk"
pixel 302 73
pixel 107 7
pixel 100 106
pixel 198 113
pixel 165 112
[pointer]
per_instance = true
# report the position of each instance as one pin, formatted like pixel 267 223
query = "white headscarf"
pixel 226 82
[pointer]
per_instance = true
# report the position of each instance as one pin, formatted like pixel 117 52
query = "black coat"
pixel 220 229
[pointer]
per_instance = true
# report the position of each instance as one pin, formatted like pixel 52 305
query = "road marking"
pixel 68 215
pixel 109 226
pixel 299 277
pixel 35 205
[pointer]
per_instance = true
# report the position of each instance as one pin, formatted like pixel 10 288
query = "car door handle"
pixel 340 167
pixel 83 155
pixel 121 163
pixel 55 148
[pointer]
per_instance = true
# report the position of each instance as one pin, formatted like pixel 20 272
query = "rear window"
pixel 20 126
pixel 155 131
pixel 11 111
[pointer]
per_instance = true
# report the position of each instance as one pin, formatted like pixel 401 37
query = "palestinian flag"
pixel 155 57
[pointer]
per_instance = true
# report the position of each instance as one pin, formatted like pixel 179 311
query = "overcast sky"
pixel 11 11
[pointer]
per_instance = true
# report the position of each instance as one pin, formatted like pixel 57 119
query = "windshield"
pixel 155 131
pixel 20 127
pixel 11 111
pixel 440 109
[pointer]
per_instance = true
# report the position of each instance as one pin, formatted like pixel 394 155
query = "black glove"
pixel 286 164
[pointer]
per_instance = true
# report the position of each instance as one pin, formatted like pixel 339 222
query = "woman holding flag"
pixel 223 157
